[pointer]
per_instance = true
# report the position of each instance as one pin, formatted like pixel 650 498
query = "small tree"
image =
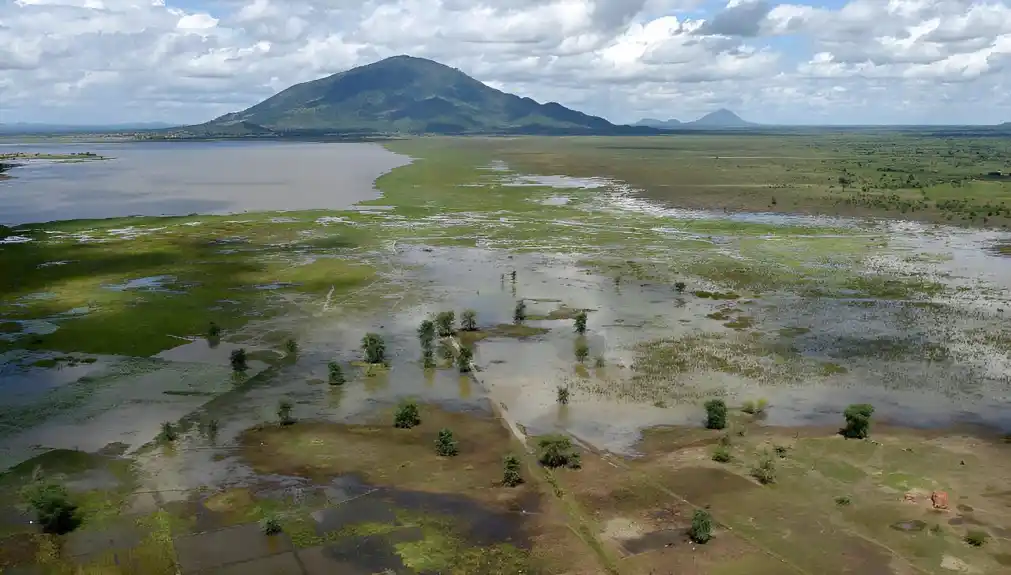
pixel 858 421
pixel 445 445
pixel 582 351
pixel 558 451
pixel 374 348
pixel 407 415
pixel 765 471
pixel 270 525
pixel 580 322
pixel 563 394
pixel 511 476
pixel 702 527
pixel 464 359
pixel 520 312
pixel 468 320
pixel 428 357
pixel 291 346
pixel 336 373
pixel 53 508
pixel 680 287
pixel 238 359
pixel 168 432
pixel 721 454
pixel 716 414
pixel 444 321
pixel 284 408
pixel 426 333
pixel 213 331
pixel 512 276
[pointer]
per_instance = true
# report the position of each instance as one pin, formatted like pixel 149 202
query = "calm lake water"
pixel 180 178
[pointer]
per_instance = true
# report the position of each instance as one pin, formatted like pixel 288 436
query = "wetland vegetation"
pixel 773 389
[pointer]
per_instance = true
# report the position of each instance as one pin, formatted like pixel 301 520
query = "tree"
pixel 716 414
pixel 213 331
pixel 445 445
pixel 464 360
pixel 511 471
pixel 858 421
pixel 53 508
pixel 558 451
pixel 765 471
pixel 238 359
pixel 520 312
pixel 426 333
pixel 563 395
pixel 407 415
pixel 291 346
pixel 374 348
pixel 680 287
pixel 582 351
pixel 581 322
pixel 270 525
pixel 336 373
pixel 284 408
pixel 702 527
pixel 444 321
pixel 168 432
pixel 428 357
pixel 468 320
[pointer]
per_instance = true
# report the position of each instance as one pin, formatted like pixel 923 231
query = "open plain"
pixel 789 276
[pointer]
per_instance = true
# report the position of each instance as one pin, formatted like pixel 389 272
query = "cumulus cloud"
pixel 902 61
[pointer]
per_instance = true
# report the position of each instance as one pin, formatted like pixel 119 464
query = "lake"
pixel 180 178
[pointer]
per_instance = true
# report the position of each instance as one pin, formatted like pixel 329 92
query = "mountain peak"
pixel 722 118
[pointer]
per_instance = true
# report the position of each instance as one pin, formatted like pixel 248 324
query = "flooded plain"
pixel 809 313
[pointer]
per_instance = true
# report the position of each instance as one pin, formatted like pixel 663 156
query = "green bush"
pixel 701 530
pixel 52 506
pixel 464 359
pixel 374 348
pixel 511 476
pixel 976 538
pixel 716 414
pixel 781 450
pixel 284 408
pixel 445 445
pixel 520 312
pixel 582 351
pixel 563 395
pixel 842 501
pixel 336 373
pixel 270 525
pixel 755 407
pixel 468 320
pixel 721 454
pixel 558 451
pixel 444 321
pixel 407 415
pixel 858 421
pixel 168 432
pixel 426 333
pixel 765 471
pixel 238 359
pixel 213 331
pixel 680 287
pixel 428 358
pixel 581 322
pixel 291 346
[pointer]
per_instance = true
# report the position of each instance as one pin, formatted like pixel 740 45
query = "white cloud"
pixel 89 61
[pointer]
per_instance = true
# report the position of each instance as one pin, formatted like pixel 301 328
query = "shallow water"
pixel 167 178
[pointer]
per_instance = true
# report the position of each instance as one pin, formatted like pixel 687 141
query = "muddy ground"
pixel 104 336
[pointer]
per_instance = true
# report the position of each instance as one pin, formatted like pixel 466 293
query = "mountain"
pixel 671 124
pixel 403 94
pixel 40 128
pixel 721 118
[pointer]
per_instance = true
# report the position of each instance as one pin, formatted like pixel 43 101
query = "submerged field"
pixel 105 333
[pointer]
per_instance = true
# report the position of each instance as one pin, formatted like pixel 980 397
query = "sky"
pixel 815 62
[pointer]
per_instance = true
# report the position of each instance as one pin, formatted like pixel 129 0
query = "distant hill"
pixel 41 128
pixel 721 118
pixel 403 94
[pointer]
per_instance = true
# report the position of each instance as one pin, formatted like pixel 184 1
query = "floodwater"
pixel 181 178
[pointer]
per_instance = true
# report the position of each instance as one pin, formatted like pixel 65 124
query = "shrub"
pixel 464 359
pixel 858 421
pixel 444 321
pixel 270 525
pixel 721 454
pixel 976 538
pixel 520 312
pixel 468 320
pixel 445 445
pixel 291 346
pixel 563 395
pixel 716 414
pixel 426 333
pixel 558 451
pixel 238 359
pixel 755 407
pixel 168 432
pixel 781 450
pixel 407 415
pixel 211 427
pixel 512 276
pixel 582 352
pixel 581 322
pixel 52 506
pixel 213 331
pixel 511 471
pixel 701 530
pixel 680 287
pixel 336 373
pixel 374 348
pixel 428 358
pixel 842 501
pixel 284 408
pixel 765 471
